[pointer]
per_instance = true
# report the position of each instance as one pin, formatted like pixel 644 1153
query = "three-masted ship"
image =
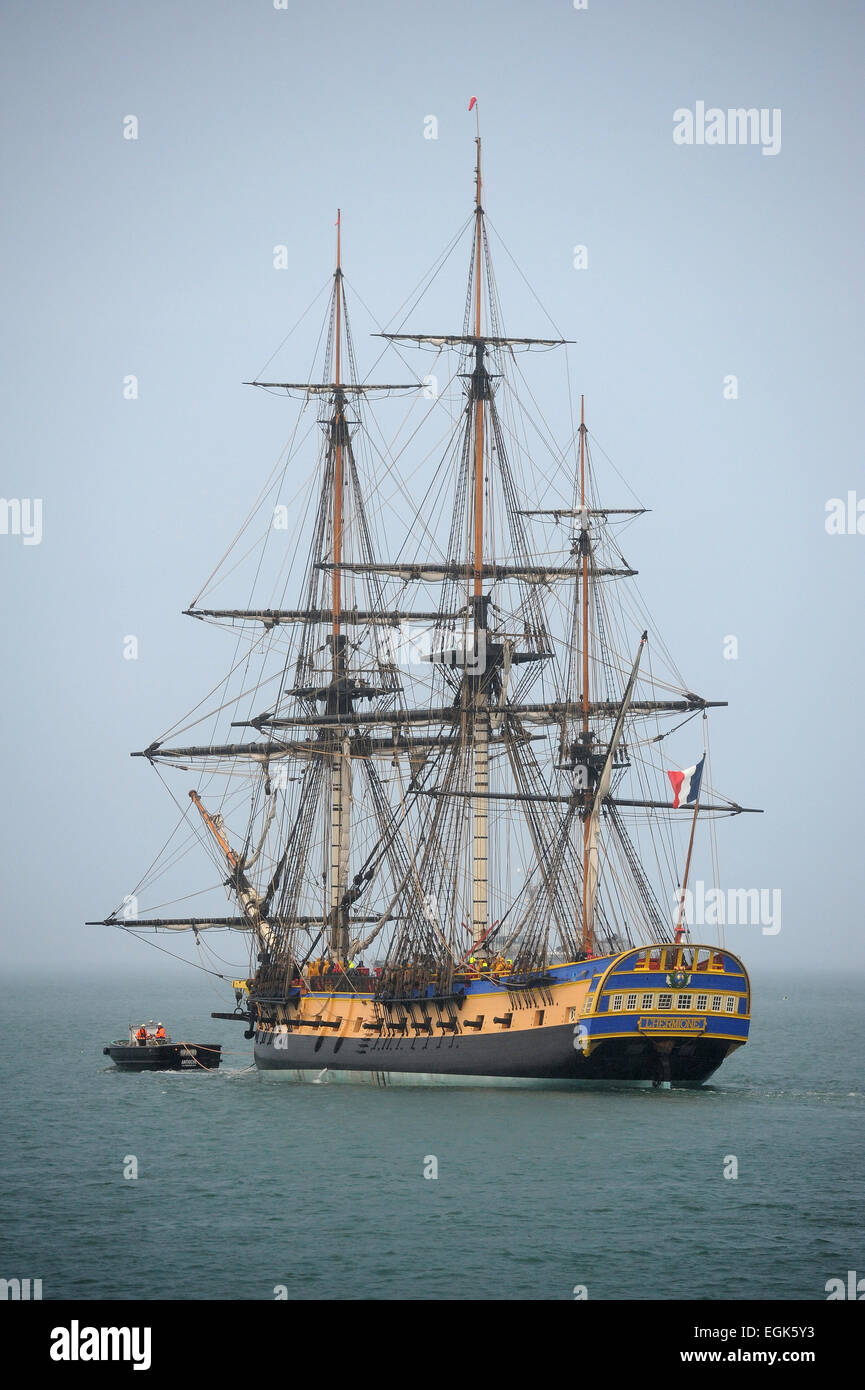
pixel 447 833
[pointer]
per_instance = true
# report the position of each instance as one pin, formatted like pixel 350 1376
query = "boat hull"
pixel 179 1056
pixel 665 1014
pixel 547 1054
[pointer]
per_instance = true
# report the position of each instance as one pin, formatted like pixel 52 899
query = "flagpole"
pixel 679 926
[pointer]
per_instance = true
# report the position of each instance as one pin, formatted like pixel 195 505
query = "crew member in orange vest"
pixel 160 1034
pixel 141 1035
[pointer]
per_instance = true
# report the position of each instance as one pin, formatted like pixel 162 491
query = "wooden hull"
pixel 548 1054
pixel 659 1014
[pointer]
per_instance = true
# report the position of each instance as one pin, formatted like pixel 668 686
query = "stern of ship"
pixel 666 1014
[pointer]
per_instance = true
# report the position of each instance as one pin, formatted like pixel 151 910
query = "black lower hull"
pixel 165 1056
pixel 546 1055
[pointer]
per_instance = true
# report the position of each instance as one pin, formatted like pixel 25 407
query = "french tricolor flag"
pixel 686 785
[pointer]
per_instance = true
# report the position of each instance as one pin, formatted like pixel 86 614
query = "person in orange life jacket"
pixel 160 1034
pixel 141 1035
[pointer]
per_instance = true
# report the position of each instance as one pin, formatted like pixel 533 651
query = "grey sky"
pixel 155 257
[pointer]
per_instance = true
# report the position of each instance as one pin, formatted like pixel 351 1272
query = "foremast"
pixel 303 904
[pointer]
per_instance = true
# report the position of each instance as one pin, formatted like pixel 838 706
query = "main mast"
pixel 340 780
pixel 476 685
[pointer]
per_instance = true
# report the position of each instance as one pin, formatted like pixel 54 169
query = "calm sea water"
pixel 248 1182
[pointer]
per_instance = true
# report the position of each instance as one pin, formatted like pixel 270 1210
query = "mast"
pixel 479 702
pixel 584 547
pixel 340 781
pixel 338 420
pixel 588 901
pixel 478 396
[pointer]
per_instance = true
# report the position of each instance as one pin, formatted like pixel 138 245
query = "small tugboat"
pixel 149 1048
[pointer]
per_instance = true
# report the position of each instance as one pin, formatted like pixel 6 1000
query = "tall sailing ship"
pixel 442 812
